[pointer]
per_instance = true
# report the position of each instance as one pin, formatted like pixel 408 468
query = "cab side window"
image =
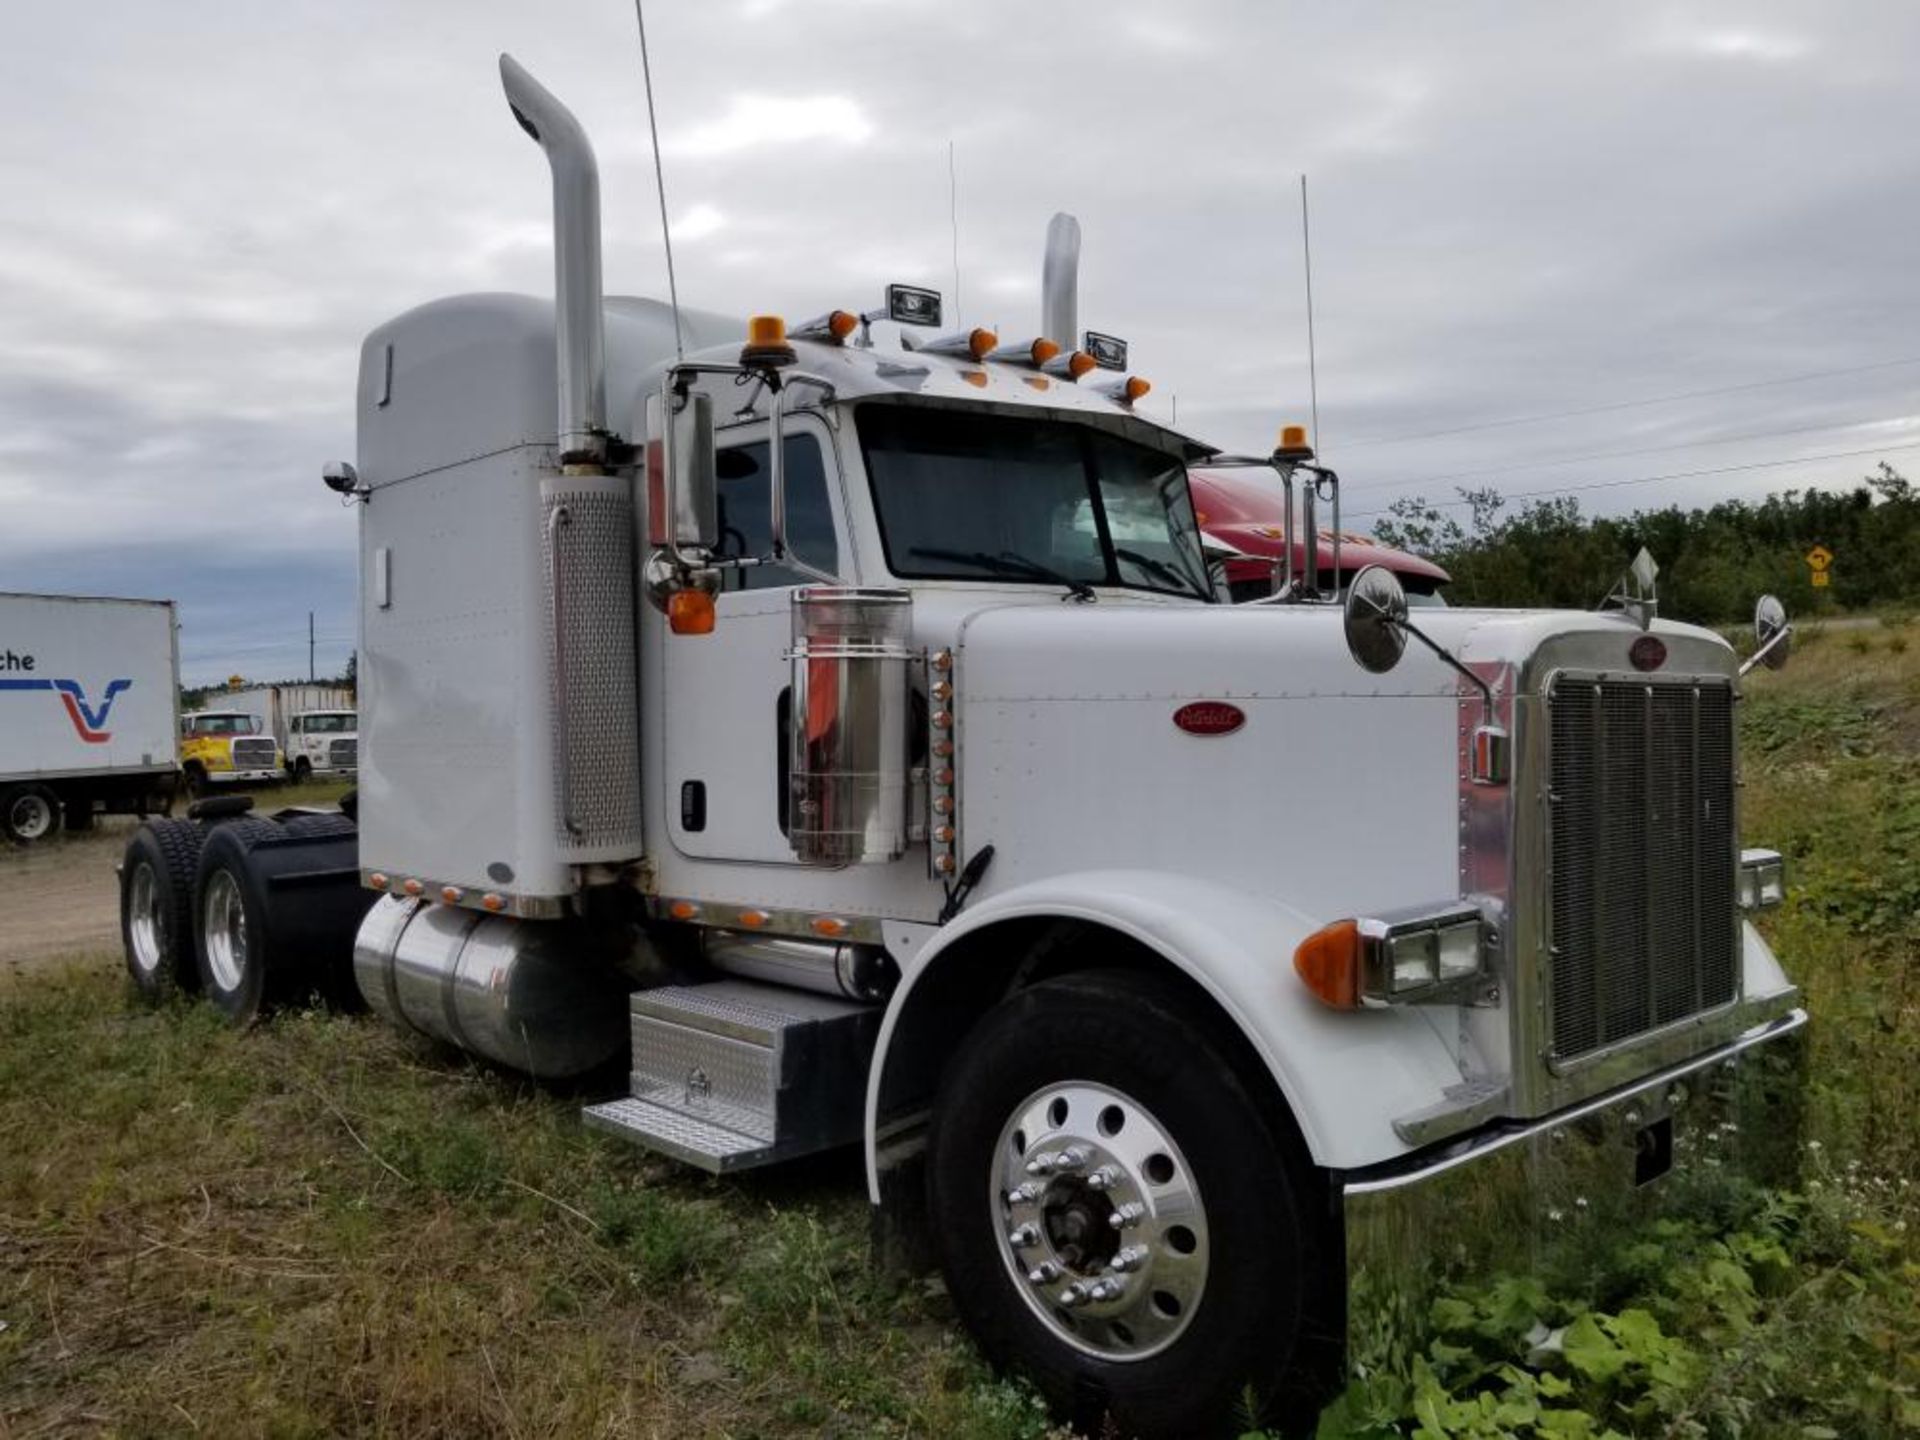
pixel 746 525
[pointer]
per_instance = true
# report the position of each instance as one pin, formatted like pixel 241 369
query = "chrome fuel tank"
pixel 535 996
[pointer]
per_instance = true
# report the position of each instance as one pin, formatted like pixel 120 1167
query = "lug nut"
pixel 1074 1296
pixel 1073 1157
pixel 1045 1273
pixel 1021 1236
pixel 1110 1288
pixel 1128 1258
pixel 1045 1163
pixel 1126 1216
pixel 1105 1178
pixel 1025 1193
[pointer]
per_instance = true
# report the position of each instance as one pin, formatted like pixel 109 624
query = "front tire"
pixel 28 813
pixel 301 771
pixel 1117 1218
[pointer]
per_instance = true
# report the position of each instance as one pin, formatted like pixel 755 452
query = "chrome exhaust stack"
pixel 578 320
pixel 1060 283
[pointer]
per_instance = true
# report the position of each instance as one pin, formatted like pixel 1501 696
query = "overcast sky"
pixel 1518 211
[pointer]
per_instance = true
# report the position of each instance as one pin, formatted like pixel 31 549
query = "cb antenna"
pixel 953 216
pixel 660 183
pixel 1306 252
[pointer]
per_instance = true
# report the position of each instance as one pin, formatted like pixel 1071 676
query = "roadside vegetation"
pixel 316 1228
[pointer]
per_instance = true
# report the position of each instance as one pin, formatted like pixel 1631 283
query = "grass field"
pixel 315 1228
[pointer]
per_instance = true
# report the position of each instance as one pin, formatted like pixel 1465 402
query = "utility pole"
pixel 310 675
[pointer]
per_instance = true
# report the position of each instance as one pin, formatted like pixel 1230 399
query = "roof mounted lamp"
pixel 1377 629
pixel 906 305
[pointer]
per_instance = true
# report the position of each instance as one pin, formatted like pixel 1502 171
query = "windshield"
pixel 965 495
pixel 334 724
pixel 222 724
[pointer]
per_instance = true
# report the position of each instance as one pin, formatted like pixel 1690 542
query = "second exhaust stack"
pixel 1060 283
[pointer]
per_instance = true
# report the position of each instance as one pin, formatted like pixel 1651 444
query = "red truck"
pixel 1239 512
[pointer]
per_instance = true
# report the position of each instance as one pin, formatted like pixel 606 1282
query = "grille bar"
pixel 1643 921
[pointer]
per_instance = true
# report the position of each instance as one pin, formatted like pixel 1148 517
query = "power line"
pixel 1624 454
pixel 1650 479
pixel 1632 404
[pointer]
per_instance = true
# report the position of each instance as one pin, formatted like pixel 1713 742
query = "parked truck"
pixel 315 726
pixel 223 745
pixel 842 739
pixel 89 692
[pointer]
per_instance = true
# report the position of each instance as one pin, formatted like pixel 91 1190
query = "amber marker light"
pixel 451 894
pixel 377 881
pixel 754 919
pixel 683 910
pixel 830 926
pixel 492 903
pixel 1072 365
pixel 1329 962
pixel 1293 444
pixel 690 612
pixel 1137 388
pixel 767 343
pixel 413 887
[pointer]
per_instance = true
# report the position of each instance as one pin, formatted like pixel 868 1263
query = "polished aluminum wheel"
pixel 1099 1219
pixel 224 928
pixel 145 924
pixel 30 816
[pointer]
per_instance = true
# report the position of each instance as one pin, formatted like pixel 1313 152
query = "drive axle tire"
pixel 1118 1220
pixel 156 907
pixel 28 813
pixel 232 956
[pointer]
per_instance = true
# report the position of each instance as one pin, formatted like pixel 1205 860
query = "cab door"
pixel 727 692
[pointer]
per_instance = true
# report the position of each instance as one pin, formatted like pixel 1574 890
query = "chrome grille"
pixel 253 754
pixel 342 753
pixel 1644 926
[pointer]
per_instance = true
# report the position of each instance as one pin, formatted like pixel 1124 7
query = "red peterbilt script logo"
pixel 1209 717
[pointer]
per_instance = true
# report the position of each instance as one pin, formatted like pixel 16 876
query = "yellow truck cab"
pixel 226 747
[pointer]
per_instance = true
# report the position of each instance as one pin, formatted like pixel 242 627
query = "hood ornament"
pixel 1634 591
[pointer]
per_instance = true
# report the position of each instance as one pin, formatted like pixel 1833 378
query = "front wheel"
pixel 1117 1218
pixel 301 770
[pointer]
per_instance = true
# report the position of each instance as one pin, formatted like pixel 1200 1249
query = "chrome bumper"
pixel 1550 1198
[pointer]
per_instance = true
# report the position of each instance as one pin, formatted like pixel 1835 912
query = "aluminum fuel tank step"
pixel 735 1074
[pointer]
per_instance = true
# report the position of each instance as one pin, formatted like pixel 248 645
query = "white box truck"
pixel 89 707
pixel 315 726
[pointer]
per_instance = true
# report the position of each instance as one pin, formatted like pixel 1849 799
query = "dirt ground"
pixel 59 899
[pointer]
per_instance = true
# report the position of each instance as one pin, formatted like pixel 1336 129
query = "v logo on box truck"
pixel 88 721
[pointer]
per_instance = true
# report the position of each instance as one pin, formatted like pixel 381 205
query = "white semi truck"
pixel 843 738
pixel 89 695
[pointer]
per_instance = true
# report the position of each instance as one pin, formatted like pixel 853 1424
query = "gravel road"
pixel 59 900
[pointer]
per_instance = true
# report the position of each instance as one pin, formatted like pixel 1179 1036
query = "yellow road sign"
pixel 1819 558
pixel 1820 578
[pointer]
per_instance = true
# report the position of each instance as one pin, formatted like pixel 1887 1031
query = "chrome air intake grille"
pixel 342 752
pixel 1644 926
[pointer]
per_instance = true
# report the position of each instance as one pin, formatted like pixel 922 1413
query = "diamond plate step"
pixel 738 1073
pixel 698 1142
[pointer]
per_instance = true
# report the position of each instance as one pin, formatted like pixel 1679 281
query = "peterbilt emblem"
pixel 1209 717
pixel 1648 652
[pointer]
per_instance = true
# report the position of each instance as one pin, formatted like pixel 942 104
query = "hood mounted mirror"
pixel 1374 617
pixel 1772 635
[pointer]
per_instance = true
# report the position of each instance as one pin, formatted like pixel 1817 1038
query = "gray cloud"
pixel 1517 211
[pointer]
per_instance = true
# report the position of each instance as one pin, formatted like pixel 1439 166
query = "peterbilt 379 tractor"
pixel 836 727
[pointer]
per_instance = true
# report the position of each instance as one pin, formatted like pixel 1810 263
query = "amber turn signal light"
pixel 1328 961
pixel 690 612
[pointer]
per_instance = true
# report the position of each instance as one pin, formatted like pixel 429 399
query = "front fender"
pixel 1345 1075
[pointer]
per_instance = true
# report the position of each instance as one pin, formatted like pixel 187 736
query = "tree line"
pixel 1714 562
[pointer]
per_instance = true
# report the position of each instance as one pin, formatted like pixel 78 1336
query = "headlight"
pixel 1433 955
pixel 1763 879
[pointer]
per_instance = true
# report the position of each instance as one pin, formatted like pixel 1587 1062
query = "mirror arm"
pixel 1486 690
pixel 674 385
pixel 1783 633
pixel 777 473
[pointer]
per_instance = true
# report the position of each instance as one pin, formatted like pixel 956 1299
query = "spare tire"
pixel 156 907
